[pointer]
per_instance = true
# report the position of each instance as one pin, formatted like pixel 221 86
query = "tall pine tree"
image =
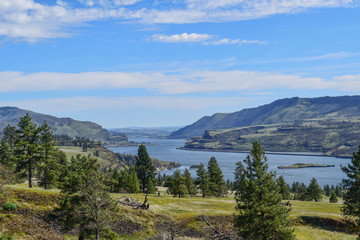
pixel 50 164
pixel 217 185
pixel 27 147
pixel 145 170
pixel 261 214
pixel 202 180
pixel 189 183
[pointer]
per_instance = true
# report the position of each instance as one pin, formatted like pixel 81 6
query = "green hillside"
pixel 61 126
pixel 328 137
pixel 281 111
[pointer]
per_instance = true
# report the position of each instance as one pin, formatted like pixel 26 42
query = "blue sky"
pixel 155 63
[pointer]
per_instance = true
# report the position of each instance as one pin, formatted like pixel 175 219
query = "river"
pixel 165 149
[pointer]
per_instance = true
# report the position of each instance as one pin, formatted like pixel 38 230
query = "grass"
pixel 180 208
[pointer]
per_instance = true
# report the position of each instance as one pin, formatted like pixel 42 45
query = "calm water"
pixel 165 149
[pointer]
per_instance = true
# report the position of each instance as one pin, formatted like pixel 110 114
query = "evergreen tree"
pixel 133 185
pixel 189 183
pixel 7 147
pixel 145 170
pixel 115 182
pixel 327 190
pixel 87 205
pixel 284 188
pixel 351 186
pixel 302 193
pixel 338 191
pixel 202 180
pixel 217 186
pixel 314 191
pixel 27 147
pixel 261 214
pixel 170 184
pixel 179 186
pixel 77 173
pixel 50 164
pixel 333 198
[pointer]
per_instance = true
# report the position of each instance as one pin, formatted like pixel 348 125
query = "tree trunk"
pixel 97 234
pixel 30 173
pixel 45 178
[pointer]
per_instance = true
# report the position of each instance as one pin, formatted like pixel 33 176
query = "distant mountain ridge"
pixel 280 111
pixel 60 126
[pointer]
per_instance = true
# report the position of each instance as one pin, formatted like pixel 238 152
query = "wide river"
pixel 165 149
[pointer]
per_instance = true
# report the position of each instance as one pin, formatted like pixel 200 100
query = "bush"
pixel 6 236
pixel 9 206
pixel 333 198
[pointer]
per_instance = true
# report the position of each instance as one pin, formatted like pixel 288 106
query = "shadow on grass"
pixel 329 224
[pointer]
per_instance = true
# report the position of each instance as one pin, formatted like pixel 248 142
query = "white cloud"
pixel 74 104
pixel 203 38
pixel 32 21
pixel 173 84
pixel 184 37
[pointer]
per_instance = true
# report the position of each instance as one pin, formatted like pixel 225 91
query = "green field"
pixel 312 220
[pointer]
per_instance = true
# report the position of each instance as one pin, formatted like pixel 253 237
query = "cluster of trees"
pixel 313 192
pixel 64 140
pixel 180 184
pixel 209 182
pixel 30 151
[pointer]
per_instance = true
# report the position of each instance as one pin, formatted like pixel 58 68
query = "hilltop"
pixel 287 110
pixel 61 126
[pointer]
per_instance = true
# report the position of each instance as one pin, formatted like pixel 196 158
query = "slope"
pixel 280 111
pixel 60 126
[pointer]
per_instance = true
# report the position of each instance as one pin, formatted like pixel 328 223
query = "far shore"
pixel 267 152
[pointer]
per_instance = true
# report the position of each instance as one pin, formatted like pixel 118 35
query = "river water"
pixel 165 149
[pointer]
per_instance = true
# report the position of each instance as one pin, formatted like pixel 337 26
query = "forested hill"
pixel 280 111
pixel 60 126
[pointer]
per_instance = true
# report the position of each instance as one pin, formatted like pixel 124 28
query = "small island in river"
pixel 304 165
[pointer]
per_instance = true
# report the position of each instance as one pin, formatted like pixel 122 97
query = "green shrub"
pixel 6 236
pixel 9 206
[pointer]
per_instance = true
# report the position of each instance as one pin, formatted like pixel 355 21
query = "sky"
pixel 151 63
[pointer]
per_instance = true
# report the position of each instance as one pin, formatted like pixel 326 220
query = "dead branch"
pixel 218 234
pixel 127 201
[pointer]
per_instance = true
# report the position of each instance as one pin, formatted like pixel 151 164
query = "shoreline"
pixel 304 154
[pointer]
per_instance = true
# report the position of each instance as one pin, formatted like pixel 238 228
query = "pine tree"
pixel 189 183
pixel 261 214
pixel 338 191
pixel 333 198
pixel 133 185
pixel 202 180
pixel 327 190
pixel 7 147
pixel 77 173
pixel 217 186
pixel 27 147
pixel 145 170
pixel 50 164
pixel 351 186
pixel 170 184
pixel 314 192
pixel 284 188
pixel 87 204
pixel 179 186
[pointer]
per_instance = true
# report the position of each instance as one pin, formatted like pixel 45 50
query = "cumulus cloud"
pixel 173 84
pixel 203 38
pixel 32 21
